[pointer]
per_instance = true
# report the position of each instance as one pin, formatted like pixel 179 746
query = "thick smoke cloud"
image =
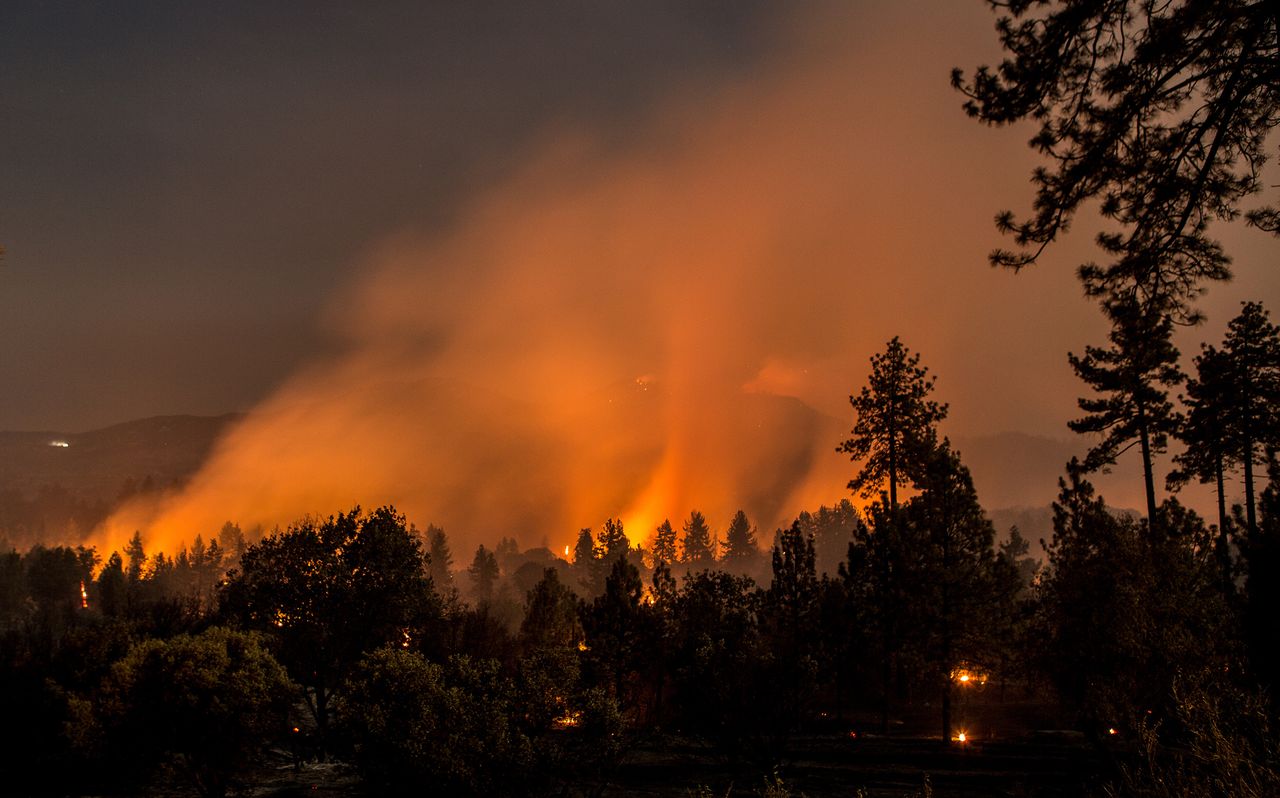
pixel 675 324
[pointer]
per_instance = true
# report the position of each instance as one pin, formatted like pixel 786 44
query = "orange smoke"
pixel 643 330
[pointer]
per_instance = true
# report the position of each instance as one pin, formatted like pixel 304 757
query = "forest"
pixel 360 639
pixel 894 644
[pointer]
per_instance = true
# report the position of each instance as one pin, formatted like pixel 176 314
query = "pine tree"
pixel 664 544
pixel 699 549
pixel 740 542
pixel 1252 348
pixel 613 540
pixel 1133 376
pixel 484 573
pixel 136 556
pixel 896 422
pixel 1207 433
pixel 1157 113
pixel 440 567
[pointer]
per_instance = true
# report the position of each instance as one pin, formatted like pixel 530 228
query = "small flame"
pixel 84 596
pixel 1112 731
pixel 962 737
pixel 566 551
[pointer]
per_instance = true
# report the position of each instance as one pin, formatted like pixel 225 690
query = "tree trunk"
pixel 1148 481
pixel 1250 513
pixel 1224 550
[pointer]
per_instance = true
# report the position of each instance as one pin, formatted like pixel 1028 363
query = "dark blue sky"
pixel 185 184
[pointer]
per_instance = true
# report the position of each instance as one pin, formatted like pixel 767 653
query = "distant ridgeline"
pixel 56 486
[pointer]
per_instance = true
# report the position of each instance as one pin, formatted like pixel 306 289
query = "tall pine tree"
pixel 896 422
pixel 1133 376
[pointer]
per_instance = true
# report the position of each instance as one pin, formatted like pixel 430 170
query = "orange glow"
pixel 1112 731
pixel 637 330
pixel 968 677
pixel 962 737
pixel 84 596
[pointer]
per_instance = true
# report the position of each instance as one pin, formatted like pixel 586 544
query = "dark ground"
pixel 1011 751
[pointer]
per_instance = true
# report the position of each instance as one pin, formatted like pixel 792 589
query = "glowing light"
pixel 582 646
pixel 962 737
pixel 407 639
pixel 1112 731
pixel 853 735
pixel 567 720
pixel 967 677
pixel 566 551
pixel 60 444
pixel 84 596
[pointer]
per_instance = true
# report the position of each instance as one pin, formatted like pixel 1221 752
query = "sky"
pixel 520 267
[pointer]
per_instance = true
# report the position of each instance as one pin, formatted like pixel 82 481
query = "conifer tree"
pixel 1133 376
pixel 440 567
pixel 1158 112
pixel 136 559
pixel 896 422
pixel 699 548
pixel 484 573
pixel 613 539
pixel 740 542
pixel 1252 348
pixel 664 544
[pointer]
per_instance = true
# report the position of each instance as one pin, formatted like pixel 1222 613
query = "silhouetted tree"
pixel 699 548
pixel 1207 433
pixel 209 703
pixel 896 422
pixel 136 557
pixel 740 547
pixel 1133 376
pixel 960 589
pixel 664 544
pixel 328 592
pixel 613 540
pixel 1159 111
pixel 441 560
pixel 1119 617
pixel 551 620
pixel 1252 349
pixel 614 624
pixel 484 574
pixel 832 531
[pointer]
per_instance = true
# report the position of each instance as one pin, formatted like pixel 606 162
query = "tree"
pixel 1252 349
pixel 896 423
pixel 1160 111
pixel 1206 432
pixel 613 540
pixel 664 544
pixel 328 592
pixel 1133 375
pixel 740 548
pixel 212 702
pixel 551 618
pixel 136 557
pixel 1119 617
pixel 484 573
pixel 440 560
pixel 412 722
pixel 959 590
pixel 699 548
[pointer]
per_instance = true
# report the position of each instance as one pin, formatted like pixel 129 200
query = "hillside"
pixel 94 465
